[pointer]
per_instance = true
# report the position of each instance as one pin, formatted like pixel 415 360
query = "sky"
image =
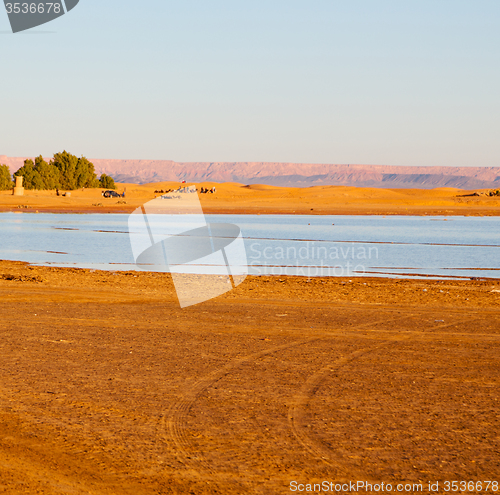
pixel 389 82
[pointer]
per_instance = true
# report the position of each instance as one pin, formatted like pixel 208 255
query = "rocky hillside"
pixel 293 174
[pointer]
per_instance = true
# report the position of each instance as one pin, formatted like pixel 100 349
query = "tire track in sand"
pixel 172 423
pixel 311 386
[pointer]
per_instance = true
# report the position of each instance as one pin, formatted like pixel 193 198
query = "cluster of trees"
pixel 64 171
pixel 5 178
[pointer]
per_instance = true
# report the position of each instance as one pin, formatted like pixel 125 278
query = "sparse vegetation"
pixel 107 182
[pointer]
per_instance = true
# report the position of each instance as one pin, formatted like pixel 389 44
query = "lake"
pixel 394 246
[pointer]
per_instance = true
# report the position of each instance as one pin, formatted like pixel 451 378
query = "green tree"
pixel 48 172
pixel 75 172
pixel 5 178
pixel 66 164
pixel 85 173
pixel 107 182
pixel 32 179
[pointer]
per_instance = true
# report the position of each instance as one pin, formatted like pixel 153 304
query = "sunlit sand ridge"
pixel 239 198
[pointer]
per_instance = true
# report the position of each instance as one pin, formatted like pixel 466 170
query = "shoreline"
pixel 107 211
pixel 360 278
pixel 23 271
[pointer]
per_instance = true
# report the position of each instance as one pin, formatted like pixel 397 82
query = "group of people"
pixel 186 189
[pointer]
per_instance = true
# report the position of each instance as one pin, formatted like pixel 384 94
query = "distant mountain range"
pixel 292 174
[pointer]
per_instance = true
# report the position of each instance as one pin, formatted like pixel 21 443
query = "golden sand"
pixel 262 199
pixel 108 387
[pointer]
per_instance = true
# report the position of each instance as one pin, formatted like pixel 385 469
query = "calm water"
pixel 278 244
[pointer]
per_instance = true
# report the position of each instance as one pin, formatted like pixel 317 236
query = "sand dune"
pixel 265 199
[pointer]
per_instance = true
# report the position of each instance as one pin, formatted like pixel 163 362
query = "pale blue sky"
pixel 378 82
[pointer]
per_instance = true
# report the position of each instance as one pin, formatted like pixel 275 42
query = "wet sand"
pixel 108 387
pixel 233 198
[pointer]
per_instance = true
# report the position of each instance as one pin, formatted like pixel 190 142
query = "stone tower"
pixel 18 188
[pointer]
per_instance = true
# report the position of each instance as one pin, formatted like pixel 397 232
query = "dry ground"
pixel 237 198
pixel 107 387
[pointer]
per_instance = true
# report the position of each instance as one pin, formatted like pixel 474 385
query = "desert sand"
pixel 108 387
pixel 255 199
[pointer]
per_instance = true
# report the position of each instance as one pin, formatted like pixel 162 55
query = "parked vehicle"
pixel 111 194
